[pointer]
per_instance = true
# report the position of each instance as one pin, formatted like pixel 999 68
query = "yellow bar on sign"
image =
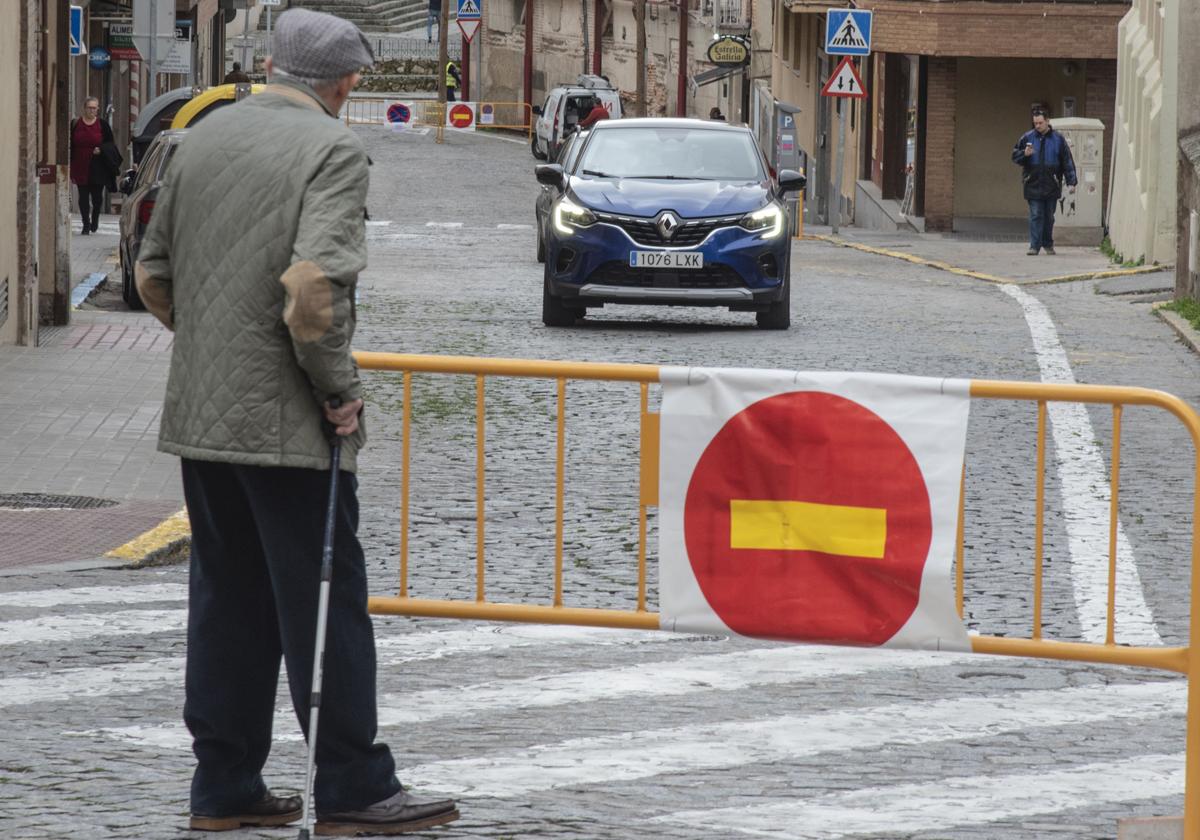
pixel 804 526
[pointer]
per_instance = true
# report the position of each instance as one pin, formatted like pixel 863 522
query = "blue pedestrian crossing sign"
pixel 76 31
pixel 848 32
pixel 469 9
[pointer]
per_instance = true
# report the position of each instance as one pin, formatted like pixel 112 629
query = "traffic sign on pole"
pixel 848 31
pixel 470 13
pixel 845 81
pixel 814 507
pixel 75 35
pixel 469 27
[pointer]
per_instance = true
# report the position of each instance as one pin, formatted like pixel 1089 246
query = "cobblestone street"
pixel 597 734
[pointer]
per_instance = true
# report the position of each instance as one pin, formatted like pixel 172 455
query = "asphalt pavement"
pixel 562 732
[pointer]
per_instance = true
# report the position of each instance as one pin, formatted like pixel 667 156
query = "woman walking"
pixel 94 162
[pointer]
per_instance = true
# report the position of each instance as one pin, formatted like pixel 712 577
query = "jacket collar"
pixel 299 93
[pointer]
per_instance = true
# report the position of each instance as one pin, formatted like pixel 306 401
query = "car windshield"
pixel 673 153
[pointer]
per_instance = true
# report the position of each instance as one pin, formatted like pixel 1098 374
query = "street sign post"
pixel 270 4
pixel 76 31
pixel 845 83
pixel 848 31
pixel 470 14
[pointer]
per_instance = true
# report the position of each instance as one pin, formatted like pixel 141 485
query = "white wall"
pixel 1142 215
pixel 10 170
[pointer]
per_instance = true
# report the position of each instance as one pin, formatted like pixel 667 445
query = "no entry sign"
pixel 811 507
pixel 461 115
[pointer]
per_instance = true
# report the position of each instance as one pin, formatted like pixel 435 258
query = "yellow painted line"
pixel 168 534
pixel 912 258
pixel 804 526
pixel 979 275
pixel 1100 275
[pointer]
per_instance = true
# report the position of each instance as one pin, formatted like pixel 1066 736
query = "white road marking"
pixel 70 597
pixel 946 803
pixel 1086 498
pixel 135 677
pixel 375 223
pixel 78 627
pixel 709 746
pixel 690 675
pixel 450 225
pixel 503 226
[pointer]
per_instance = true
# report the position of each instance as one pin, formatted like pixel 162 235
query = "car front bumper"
pixel 591 266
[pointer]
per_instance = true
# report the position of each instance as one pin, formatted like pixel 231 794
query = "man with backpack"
pixel 1045 160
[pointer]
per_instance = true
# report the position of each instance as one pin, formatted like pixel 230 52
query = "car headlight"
pixel 768 221
pixel 568 215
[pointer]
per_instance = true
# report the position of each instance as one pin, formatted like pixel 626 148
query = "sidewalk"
pixel 79 473
pixel 983 259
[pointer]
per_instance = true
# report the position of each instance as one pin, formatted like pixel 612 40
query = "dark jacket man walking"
pixel 263 316
pixel 1045 160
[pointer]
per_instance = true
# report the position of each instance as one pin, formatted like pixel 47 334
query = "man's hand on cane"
pixel 344 418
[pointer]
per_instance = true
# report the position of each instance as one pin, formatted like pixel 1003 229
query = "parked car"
pixel 140 186
pixel 680 212
pixel 564 107
pixel 568 157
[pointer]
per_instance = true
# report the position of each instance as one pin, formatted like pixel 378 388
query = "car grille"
pixel 710 277
pixel 644 232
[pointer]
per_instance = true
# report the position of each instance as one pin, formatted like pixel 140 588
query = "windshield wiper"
pixel 670 177
pixel 600 174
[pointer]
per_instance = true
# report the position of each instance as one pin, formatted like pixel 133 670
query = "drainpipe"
pixel 529 52
pixel 681 92
pixel 596 54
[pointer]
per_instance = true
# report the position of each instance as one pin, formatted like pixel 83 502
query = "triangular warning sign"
pixel 468 8
pixel 849 35
pixel 469 27
pixel 845 81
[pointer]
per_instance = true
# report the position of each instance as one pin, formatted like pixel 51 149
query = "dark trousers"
pixel 1041 223
pixel 257 534
pixel 450 94
pixel 91 201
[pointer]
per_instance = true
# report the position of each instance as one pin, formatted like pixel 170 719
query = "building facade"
pixel 951 87
pixel 531 46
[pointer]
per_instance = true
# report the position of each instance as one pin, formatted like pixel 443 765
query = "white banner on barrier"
pixel 811 507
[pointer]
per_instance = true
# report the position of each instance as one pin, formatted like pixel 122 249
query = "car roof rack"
pixel 591 82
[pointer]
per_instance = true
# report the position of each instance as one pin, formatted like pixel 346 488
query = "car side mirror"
pixel 791 181
pixel 126 184
pixel 550 174
pixel 537 109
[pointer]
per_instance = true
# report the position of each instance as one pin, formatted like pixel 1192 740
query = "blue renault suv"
pixel 680 212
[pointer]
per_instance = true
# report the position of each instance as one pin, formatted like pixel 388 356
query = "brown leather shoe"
pixel 398 814
pixel 270 810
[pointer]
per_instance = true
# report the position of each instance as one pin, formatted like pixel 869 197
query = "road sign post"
pixel 847 33
pixel 470 14
pixel 75 32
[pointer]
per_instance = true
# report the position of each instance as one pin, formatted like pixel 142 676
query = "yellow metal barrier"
pixel 1177 659
pixel 362 110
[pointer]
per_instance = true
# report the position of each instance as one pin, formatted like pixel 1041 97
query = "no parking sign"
pixel 812 507
pixel 399 116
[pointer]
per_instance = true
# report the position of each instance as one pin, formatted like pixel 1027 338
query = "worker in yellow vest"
pixel 453 80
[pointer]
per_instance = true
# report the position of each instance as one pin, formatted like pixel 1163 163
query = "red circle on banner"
pixel 820 450
pixel 461 116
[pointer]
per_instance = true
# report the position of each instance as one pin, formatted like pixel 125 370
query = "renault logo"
pixel 667 224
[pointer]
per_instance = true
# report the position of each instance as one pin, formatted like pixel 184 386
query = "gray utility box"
pixel 1079 218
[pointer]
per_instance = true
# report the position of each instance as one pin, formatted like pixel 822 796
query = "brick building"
pixel 951 85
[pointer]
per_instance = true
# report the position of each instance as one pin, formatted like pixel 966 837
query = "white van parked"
pixel 564 107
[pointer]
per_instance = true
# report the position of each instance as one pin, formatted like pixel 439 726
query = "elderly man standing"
pixel 263 315
pixel 1045 159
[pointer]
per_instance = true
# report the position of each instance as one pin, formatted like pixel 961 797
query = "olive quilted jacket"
pixel 251 257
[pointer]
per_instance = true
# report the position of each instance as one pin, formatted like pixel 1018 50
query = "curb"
pixel 912 258
pixel 166 543
pixel 979 275
pixel 1187 334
